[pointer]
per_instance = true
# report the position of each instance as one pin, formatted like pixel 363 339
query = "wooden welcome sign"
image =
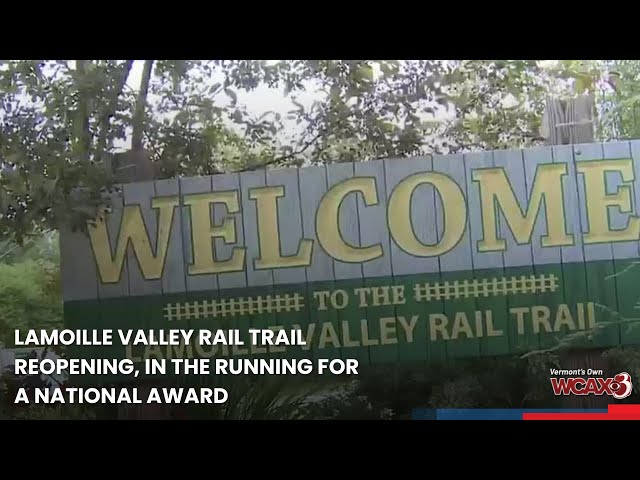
pixel 397 260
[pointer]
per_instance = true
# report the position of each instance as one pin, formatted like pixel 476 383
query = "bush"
pixel 29 298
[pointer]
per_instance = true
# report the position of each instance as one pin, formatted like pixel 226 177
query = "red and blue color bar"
pixel 614 412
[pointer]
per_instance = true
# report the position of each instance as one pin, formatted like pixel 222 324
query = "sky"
pixel 261 100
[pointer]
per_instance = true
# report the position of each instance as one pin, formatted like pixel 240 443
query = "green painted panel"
pixel 601 288
pixel 404 319
pixel 266 320
pixel 458 323
pixel 296 318
pixel 352 330
pixel 557 305
pixel 628 295
pixel 412 317
pixel 576 295
pixel 493 325
pixel 376 304
pixel 324 323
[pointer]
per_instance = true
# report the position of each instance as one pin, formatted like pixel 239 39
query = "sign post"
pixel 569 122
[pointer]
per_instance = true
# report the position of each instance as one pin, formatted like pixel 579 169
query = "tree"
pixel 63 121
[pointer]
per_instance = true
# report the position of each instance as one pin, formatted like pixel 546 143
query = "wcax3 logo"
pixel 588 383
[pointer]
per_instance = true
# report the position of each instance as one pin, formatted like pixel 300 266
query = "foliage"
pixel 615 85
pixel 620 100
pixel 29 297
pixel 505 382
pixel 626 359
pixel 255 397
pixel 61 122
pixel 11 383
pixel 42 246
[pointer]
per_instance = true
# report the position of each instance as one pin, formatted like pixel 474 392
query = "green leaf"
pixel 49 186
pixel 231 94
pixel 365 72
pixel 236 116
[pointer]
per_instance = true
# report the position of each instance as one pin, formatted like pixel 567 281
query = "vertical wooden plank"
pixel 289 223
pixel 617 219
pixel 173 276
pixel 455 265
pixel 377 273
pixel 320 275
pixel 476 161
pixel 518 261
pixel 348 225
pixel 511 162
pixel 625 254
pixel 534 159
pixel 422 215
pixel 599 260
pixel 584 153
pixel 291 236
pixel 114 219
pixel 140 311
pixel 372 219
pixel 78 271
pixel 572 267
pixel 249 180
pixel 109 311
pixel 313 186
pixel 255 277
pixel 630 332
pixel 486 265
pixel 296 318
pixel 574 220
pixel 634 150
pixel 202 287
pixel 458 258
pixel 188 186
pixel 223 183
pixel 141 194
pixel 347 221
pixel 546 261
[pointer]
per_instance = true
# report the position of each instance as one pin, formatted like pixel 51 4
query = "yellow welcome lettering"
pixel 496 191
pixel 134 232
pixel 599 201
pixel 453 208
pixel 327 221
pixel 203 233
pixel 266 199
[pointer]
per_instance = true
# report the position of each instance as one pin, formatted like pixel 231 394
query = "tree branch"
pixel 283 158
pixel 141 104
pixel 81 125
pixel 112 107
